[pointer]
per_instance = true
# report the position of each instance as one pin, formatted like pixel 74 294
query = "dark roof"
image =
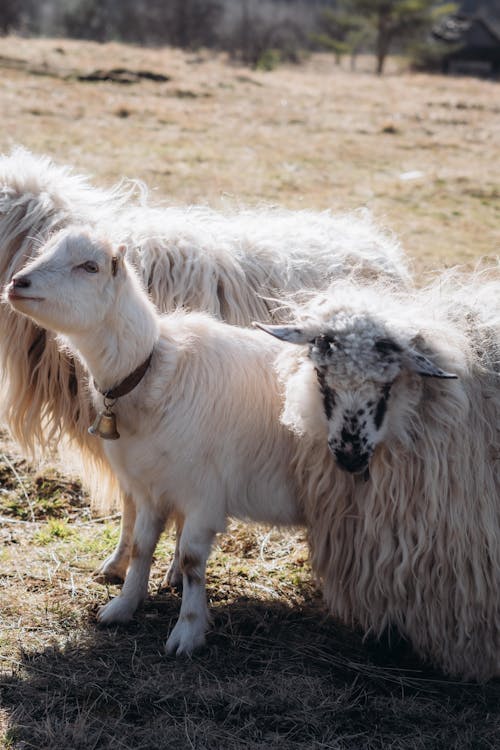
pixel 459 28
pixel 487 9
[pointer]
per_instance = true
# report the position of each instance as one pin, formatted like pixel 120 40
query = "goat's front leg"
pixel 189 631
pixel 147 529
pixel 114 568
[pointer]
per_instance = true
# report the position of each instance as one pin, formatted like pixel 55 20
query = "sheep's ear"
pixel 387 347
pixel 286 333
pixel 416 362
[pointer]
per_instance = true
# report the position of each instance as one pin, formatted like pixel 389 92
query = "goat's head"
pixel 72 283
pixel 359 367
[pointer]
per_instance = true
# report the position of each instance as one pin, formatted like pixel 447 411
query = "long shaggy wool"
pixel 417 546
pixel 43 395
pixel 233 266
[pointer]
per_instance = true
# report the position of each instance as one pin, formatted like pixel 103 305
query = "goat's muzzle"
pixel 15 289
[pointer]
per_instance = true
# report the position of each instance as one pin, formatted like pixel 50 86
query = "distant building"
pixel 474 45
pixel 487 9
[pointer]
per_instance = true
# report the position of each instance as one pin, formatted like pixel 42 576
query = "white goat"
pixel 409 533
pixel 201 436
pixel 229 265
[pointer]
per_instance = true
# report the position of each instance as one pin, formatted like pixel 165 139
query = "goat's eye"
pixel 90 266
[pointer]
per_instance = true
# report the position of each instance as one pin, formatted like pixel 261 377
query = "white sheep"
pixel 199 417
pixel 404 391
pixel 226 264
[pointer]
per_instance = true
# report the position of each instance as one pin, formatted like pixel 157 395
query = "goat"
pixel 402 391
pixel 200 434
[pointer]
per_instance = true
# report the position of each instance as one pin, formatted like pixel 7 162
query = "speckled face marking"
pixel 355 372
pixel 356 419
pixel 327 393
pixel 355 376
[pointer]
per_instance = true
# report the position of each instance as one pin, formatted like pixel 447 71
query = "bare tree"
pixel 191 23
pixel 395 20
pixel 257 28
pixel 10 12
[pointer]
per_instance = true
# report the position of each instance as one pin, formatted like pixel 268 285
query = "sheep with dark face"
pixel 404 519
pixel 356 363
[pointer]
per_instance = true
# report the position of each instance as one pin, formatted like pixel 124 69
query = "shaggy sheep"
pixel 197 405
pixel 409 533
pixel 229 265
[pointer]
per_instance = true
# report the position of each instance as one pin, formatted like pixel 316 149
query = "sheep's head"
pixel 71 285
pixel 358 365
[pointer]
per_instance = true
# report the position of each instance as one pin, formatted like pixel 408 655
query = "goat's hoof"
pixel 111 572
pixel 173 579
pixel 118 610
pixel 186 637
pixel 107 577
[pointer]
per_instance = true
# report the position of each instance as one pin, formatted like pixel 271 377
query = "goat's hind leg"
pixel 114 568
pixel 189 631
pixel 173 576
pixel 147 529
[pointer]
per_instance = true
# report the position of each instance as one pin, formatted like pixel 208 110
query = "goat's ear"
pixel 286 333
pixel 117 259
pixel 416 362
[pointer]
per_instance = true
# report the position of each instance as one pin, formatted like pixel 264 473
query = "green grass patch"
pixel 53 530
pixel 29 496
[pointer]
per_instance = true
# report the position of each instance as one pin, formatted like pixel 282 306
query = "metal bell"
pixel 105 426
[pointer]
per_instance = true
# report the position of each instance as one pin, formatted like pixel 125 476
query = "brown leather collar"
pixel 129 383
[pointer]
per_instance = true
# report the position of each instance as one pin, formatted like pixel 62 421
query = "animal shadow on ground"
pixel 272 676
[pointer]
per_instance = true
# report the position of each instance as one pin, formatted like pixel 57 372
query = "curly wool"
pixel 233 266
pixel 418 544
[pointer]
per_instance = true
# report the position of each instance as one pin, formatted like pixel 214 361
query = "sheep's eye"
pixel 90 266
pixel 323 344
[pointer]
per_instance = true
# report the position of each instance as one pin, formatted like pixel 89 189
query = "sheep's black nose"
pixel 21 282
pixel 353 463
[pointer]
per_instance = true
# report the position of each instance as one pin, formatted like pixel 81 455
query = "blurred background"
pixel 276 101
pixel 262 33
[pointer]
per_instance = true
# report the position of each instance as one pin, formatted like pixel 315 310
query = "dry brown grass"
pixel 277 672
pixel 313 136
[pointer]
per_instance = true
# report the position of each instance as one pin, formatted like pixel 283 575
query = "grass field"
pixel 422 154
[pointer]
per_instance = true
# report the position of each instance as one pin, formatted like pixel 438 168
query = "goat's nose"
pixel 20 282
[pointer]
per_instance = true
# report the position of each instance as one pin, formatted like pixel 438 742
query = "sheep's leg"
pixel 173 577
pixel 114 568
pixel 189 631
pixel 147 529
